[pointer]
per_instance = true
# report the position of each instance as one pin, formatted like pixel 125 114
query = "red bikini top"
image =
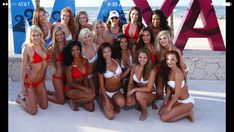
pixel 37 58
pixel 136 34
pixel 153 58
pixel 60 57
pixel 76 73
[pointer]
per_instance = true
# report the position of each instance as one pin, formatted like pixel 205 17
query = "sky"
pixel 98 3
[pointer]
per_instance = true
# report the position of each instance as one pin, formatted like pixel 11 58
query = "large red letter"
pixel 145 9
pixel 211 28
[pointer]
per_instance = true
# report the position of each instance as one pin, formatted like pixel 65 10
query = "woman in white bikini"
pixel 89 51
pixel 178 103
pixel 141 89
pixel 68 24
pixel 110 82
pixel 163 45
pixel 122 52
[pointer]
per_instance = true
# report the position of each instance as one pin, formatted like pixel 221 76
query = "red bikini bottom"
pixel 28 82
pixel 63 78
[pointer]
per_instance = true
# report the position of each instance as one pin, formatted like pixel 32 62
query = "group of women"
pixel 128 65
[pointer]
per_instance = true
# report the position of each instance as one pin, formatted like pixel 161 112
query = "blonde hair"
pixel 82 33
pixel 94 30
pixel 28 40
pixel 54 41
pixel 157 44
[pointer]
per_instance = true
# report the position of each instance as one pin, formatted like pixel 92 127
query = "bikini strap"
pixel 136 68
pixel 116 62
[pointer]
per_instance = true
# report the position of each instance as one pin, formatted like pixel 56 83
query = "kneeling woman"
pixel 109 75
pixel 178 103
pixel 76 70
pixel 34 65
pixel 141 83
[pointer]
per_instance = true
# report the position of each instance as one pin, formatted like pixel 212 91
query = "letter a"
pixel 211 28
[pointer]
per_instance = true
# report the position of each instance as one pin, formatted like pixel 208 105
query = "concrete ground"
pixel 210 111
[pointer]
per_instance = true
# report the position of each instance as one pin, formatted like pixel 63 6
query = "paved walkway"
pixel 210 108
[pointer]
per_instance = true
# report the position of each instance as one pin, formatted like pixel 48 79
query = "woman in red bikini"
pixel 146 40
pixel 110 82
pixel 77 88
pixel 58 77
pixel 133 28
pixel 34 65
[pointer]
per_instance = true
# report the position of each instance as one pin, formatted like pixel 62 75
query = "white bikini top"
pixel 139 81
pixel 69 37
pixel 48 35
pixel 172 83
pixel 130 62
pixel 109 74
pixel 94 59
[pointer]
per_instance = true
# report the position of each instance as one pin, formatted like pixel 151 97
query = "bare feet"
pixel 138 108
pixel 89 106
pixel 74 106
pixel 143 115
pixel 191 116
pixel 50 92
pixel 19 99
pixel 154 106
pixel 117 109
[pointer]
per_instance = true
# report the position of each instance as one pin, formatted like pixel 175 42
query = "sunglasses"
pixel 114 18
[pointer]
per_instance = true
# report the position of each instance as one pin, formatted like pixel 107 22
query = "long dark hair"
pixel 66 53
pixel 140 42
pixel 163 21
pixel 139 20
pixel 166 69
pixel 101 62
pixel 116 46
